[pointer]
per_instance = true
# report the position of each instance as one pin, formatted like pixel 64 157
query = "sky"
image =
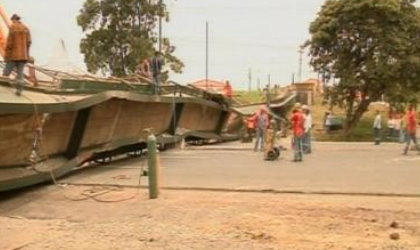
pixel 261 35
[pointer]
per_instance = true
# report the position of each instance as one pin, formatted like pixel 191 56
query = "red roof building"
pixel 211 85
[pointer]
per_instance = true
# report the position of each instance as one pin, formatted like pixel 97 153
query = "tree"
pixel 121 33
pixel 371 46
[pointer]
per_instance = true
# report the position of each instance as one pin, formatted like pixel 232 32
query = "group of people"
pixel 302 128
pixel 152 69
pixel 396 123
pixel 263 124
pixel 403 126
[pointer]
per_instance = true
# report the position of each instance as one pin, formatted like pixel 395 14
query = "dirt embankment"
pixel 209 220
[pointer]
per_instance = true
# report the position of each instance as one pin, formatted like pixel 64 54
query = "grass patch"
pixel 248 97
pixel 362 132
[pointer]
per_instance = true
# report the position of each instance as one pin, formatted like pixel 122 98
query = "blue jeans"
pixel 403 135
pixel 260 139
pixel 20 66
pixel 298 147
pixel 410 137
pixel 307 147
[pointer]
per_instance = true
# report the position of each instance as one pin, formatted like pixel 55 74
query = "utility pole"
pixel 300 64
pixel 268 90
pixel 207 55
pixel 258 84
pixel 250 79
pixel 160 27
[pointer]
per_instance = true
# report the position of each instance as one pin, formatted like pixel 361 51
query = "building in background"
pixel 213 86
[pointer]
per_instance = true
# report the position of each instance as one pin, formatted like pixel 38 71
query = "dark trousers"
pixel 377 135
pixel 156 84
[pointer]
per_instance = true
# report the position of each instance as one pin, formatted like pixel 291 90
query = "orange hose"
pixel 4 26
pixel 4 16
pixel 3 41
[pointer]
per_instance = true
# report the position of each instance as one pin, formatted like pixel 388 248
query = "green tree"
pixel 371 47
pixel 122 33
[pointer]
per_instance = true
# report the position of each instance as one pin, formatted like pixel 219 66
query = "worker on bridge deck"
pixel 156 65
pixel 17 51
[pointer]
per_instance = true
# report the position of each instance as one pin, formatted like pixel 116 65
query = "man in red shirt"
pixel 298 121
pixel 411 128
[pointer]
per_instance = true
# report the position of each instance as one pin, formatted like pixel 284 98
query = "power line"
pixel 198 40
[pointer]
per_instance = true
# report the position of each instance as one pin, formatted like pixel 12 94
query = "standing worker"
pixel 17 51
pixel 298 120
pixel 403 130
pixel 250 126
pixel 143 69
pixel 156 65
pixel 377 126
pixel 307 147
pixel 261 124
pixel 411 129
pixel 271 152
pixel 228 90
pixel 328 121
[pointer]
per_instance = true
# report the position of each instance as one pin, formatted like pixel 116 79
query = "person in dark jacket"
pixel 17 51
pixel 156 64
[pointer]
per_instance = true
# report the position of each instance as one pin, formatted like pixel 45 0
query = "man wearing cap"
pixel 17 51
pixel 298 121
pixel 261 124
pixel 307 149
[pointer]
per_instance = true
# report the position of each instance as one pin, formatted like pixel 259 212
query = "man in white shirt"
pixel 307 148
pixel 377 126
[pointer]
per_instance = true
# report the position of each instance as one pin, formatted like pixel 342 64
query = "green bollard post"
pixel 152 163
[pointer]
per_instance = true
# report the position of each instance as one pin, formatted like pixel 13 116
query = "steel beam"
pixel 77 133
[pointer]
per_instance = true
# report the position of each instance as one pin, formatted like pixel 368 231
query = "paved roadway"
pixel 353 168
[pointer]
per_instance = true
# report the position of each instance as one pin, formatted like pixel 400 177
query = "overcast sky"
pixel 264 35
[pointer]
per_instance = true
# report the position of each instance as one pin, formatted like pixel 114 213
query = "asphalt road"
pixel 337 168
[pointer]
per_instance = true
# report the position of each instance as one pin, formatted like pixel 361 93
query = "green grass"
pixel 246 97
pixel 362 132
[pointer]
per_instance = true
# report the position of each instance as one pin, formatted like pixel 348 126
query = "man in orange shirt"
pixel 411 129
pixel 228 90
pixel 298 121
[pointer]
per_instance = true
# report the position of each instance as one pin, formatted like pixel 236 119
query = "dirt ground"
pixel 46 218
